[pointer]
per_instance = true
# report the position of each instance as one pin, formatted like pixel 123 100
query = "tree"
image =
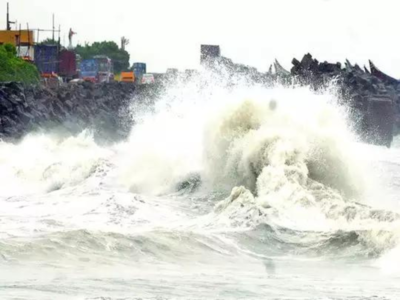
pixel 13 68
pixel 48 41
pixel 119 56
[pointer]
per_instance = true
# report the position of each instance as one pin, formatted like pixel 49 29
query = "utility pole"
pixel 59 35
pixel 53 28
pixel 8 18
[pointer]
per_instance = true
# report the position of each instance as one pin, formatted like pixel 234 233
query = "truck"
pixel 139 69
pixel 46 59
pixel 97 69
pixel 127 77
pixel 147 79
pixel 67 68
pixel 209 53
pixel 88 70
pixel 105 68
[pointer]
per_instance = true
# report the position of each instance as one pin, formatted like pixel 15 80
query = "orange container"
pixel 15 37
pixel 127 77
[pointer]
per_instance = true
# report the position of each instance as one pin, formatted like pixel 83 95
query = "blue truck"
pixel 139 69
pixel 89 69
pixel 97 69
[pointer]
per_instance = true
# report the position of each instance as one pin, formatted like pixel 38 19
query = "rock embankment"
pixel 372 96
pixel 72 108
pixel 374 101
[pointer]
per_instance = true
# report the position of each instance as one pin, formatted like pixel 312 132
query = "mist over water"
pixel 219 193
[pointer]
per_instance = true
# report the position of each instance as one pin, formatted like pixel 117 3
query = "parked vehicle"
pixel 89 70
pixel 209 52
pixel 97 69
pixel 105 71
pixel 78 64
pixel 147 79
pixel 139 69
pixel 127 77
pixel 67 65
pixel 46 59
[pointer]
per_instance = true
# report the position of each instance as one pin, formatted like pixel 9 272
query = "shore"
pixel 373 102
pixel 70 108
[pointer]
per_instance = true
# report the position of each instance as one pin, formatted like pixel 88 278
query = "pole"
pixel 53 28
pixel 59 36
pixel 8 16
pixel 8 19
pixel 19 41
pixel 29 40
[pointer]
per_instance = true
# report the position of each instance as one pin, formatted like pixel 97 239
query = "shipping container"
pixel 17 37
pixel 209 52
pixel 46 58
pixel 127 77
pixel 68 66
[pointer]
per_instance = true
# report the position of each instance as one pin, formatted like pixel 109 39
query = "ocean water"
pixel 244 192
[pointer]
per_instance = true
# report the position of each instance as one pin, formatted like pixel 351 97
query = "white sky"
pixel 168 33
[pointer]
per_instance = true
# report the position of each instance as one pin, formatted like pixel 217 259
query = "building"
pixel 23 40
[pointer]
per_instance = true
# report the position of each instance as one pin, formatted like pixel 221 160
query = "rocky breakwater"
pixel 373 101
pixel 372 96
pixel 71 108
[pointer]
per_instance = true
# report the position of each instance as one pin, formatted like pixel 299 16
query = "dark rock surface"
pixel 72 108
pixel 373 101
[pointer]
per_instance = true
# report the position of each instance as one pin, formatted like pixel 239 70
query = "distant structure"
pixel 23 40
pixel 70 35
pixel 124 42
pixel 209 53
pixel 8 18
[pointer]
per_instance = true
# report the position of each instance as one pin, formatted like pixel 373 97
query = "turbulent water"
pixel 219 193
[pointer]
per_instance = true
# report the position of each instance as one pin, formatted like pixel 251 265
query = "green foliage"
pixel 11 50
pixel 119 57
pixel 13 68
pixel 48 41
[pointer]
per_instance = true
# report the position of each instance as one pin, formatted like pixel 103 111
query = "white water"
pixel 280 202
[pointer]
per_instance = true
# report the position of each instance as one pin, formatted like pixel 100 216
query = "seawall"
pixel 104 108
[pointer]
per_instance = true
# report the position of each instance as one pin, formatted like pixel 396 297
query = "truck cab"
pixel 89 70
pixel 139 69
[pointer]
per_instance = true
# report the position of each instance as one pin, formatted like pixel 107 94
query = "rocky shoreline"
pixel 374 101
pixel 71 108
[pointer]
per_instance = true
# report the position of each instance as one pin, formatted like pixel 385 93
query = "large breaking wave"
pixel 271 170
pixel 285 158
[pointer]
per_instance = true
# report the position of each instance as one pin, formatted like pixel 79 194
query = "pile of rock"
pixel 372 100
pixel 73 107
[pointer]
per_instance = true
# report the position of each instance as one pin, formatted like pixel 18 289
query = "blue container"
pixel 46 58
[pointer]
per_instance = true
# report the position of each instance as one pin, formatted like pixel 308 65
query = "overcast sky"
pixel 168 33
